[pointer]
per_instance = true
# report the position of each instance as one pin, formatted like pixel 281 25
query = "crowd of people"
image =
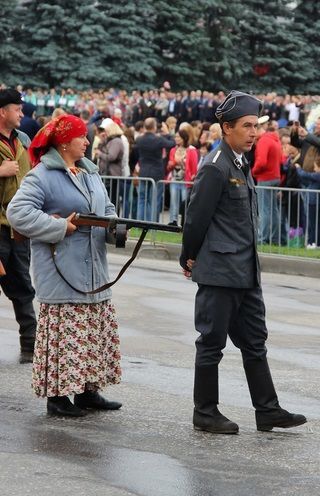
pixel 183 127
pixel 188 127
pixel 187 105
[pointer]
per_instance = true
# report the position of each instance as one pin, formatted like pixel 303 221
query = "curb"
pixel 278 264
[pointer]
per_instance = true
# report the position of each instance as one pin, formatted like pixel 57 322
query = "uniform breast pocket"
pixel 238 193
pixel 222 247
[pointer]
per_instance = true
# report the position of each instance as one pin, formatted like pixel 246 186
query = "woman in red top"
pixel 183 160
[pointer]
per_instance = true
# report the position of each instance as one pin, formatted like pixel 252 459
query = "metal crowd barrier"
pixel 133 197
pixel 287 216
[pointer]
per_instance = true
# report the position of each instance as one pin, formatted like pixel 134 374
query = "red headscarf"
pixel 60 130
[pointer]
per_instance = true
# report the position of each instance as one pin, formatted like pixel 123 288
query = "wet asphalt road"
pixel 149 448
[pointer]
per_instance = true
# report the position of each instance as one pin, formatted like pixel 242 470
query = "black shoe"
pixel 173 223
pixel 266 421
pixel 94 400
pixel 61 405
pixel 216 423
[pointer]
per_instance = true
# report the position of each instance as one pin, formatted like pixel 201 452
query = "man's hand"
pixel 302 132
pixel 187 273
pixel 9 168
pixel 70 227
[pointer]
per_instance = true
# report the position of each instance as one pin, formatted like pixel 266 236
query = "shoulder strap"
pixel 109 284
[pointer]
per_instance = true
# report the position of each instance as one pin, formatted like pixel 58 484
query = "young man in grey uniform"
pixel 219 252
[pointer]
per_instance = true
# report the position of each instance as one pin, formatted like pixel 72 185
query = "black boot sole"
pixel 215 431
pixel 280 425
pixel 85 406
pixel 56 411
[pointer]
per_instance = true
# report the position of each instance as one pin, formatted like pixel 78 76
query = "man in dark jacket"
pixel 150 156
pixel 219 251
pixel 28 123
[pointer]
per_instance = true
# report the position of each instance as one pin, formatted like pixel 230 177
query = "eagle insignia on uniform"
pixel 236 182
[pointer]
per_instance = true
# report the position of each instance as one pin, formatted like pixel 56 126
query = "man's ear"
pixel 226 128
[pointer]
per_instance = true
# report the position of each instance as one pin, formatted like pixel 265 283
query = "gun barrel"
pixel 91 219
pixel 143 224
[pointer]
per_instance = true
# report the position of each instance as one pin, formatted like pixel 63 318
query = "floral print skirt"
pixel 77 347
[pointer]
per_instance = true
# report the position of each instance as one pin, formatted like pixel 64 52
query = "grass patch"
pixel 167 237
pixel 286 250
pixel 158 236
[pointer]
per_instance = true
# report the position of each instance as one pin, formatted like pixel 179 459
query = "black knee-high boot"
pixel 262 391
pixel 206 416
pixel 26 318
pixel 264 398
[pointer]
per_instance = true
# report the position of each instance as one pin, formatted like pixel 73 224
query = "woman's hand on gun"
pixel 70 226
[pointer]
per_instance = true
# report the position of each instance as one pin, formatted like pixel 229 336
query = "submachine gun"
pixel 118 228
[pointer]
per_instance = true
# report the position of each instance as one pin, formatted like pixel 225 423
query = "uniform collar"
pixel 239 164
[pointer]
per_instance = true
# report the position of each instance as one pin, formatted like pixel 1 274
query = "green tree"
pixel 182 43
pixel 270 45
pixel 228 60
pixel 130 51
pixel 9 53
pixel 307 25
pixel 62 44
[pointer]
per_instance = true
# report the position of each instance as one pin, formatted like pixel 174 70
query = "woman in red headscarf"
pixel 77 342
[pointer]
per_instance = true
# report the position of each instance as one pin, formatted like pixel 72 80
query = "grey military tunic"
pixel 220 231
pixel 220 234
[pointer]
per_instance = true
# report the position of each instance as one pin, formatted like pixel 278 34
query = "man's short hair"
pixel 85 114
pixel 150 124
pixel 138 126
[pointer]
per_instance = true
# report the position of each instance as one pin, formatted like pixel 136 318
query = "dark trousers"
pixel 16 284
pixel 239 313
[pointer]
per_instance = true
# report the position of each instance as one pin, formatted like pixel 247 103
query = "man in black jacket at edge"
pixel 219 252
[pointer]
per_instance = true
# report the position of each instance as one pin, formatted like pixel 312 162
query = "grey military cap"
pixel 238 104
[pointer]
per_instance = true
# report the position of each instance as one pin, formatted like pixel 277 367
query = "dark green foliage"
pixel 8 49
pixel 130 50
pixel 307 25
pixel 251 45
pixel 269 45
pixel 227 66
pixel 182 43
pixel 63 46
